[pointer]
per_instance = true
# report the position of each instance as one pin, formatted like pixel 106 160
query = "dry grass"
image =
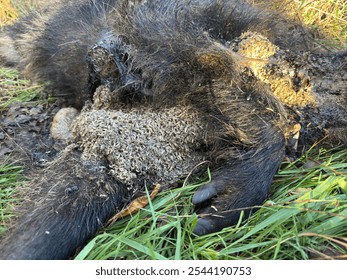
pixel 7 12
pixel 328 18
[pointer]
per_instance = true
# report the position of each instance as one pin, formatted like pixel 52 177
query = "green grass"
pixel 15 89
pixel 10 177
pixel 306 213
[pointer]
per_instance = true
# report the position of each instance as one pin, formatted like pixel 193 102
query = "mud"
pixel 25 135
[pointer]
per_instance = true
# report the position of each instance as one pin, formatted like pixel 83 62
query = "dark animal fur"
pixel 165 52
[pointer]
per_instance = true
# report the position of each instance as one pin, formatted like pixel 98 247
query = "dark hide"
pixel 156 53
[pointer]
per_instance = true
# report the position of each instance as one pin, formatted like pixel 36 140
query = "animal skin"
pixel 164 85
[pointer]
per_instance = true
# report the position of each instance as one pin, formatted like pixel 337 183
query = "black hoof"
pixel 203 227
pixel 204 193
